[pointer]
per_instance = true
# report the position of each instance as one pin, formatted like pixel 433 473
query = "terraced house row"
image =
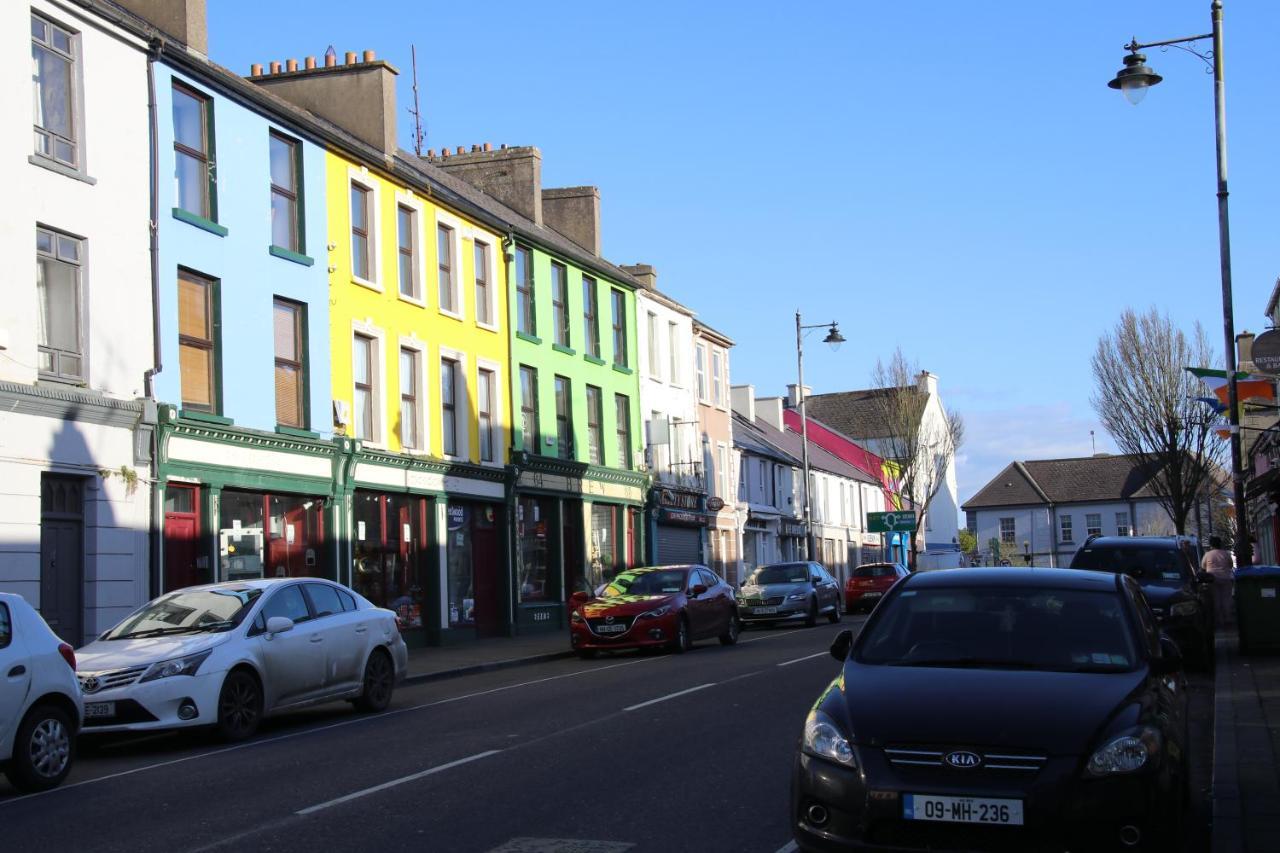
pixel 263 340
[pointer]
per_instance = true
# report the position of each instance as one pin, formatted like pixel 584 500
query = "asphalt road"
pixel 633 752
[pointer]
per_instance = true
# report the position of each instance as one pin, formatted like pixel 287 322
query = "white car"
pixel 40 708
pixel 229 654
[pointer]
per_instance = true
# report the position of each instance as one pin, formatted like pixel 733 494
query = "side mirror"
pixel 579 597
pixel 698 589
pixel 278 625
pixel 1170 659
pixel 841 645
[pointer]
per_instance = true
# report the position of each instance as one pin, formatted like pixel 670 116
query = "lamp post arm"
pixel 1134 46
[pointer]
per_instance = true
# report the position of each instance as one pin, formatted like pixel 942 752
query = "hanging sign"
pixel 1266 351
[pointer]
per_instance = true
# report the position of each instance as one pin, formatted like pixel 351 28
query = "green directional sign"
pixel 891 522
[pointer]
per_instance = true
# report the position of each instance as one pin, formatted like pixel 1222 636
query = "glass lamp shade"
pixel 1134 90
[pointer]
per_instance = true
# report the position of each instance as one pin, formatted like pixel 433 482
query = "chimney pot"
pixel 330 58
pixel 275 67
pixel 351 57
pixel 369 56
pixel 503 147
pixel 310 62
pixel 488 147
pixel 444 152
pixel 292 65
pixel 431 153
pixel 475 148
pixel 462 149
pixel 255 70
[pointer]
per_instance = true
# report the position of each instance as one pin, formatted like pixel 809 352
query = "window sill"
pixel 488 327
pixel 296 432
pixel 364 282
pixel 564 349
pixel 286 254
pixel 452 315
pixel 65 381
pixel 412 300
pixel 533 339
pixel 596 360
pixel 199 222
pixel 61 168
pixel 204 417
pixel 622 368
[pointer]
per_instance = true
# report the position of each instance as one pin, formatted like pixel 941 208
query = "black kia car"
pixel 1168 570
pixel 998 709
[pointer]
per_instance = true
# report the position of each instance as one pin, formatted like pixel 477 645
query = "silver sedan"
pixel 786 591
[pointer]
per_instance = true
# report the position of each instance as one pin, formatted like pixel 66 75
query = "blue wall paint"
pixel 250 276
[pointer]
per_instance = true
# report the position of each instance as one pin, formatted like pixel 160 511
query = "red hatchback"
pixel 868 583
pixel 661 606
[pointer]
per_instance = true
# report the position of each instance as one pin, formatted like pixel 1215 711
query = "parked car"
pixel 1167 568
pixel 1006 708
pixel 784 591
pixel 229 654
pixel 654 607
pixel 40 706
pixel 868 583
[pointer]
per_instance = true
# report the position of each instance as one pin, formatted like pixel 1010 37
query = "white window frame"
pixel 722 463
pixel 411 201
pixel 497 416
pixel 700 372
pixel 491 259
pixel 1127 527
pixel 1089 528
pixel 1066 525
pixel 379 358
pixel 673 336
pixel 718 390
pixel 462 404
pixel 360 176
pixel 653 345
pixel 456 227
pixel 78 126
pixel 1013 535
pixel 423 387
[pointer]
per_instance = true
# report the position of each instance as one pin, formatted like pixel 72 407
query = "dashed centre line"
pixel 670 696
pixel 412 777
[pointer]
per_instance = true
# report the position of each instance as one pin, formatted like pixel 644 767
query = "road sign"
pixel 891 522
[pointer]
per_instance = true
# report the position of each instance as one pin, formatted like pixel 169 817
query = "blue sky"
pixel 952 178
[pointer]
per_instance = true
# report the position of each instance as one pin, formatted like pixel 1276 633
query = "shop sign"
pixel 715 504
pixel 457 515
pixel 792 528
pixel 1266 351
pixel 680 516
pixel 688 501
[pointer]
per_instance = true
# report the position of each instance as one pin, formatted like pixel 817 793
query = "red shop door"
pixel 180 551
pixel 484 573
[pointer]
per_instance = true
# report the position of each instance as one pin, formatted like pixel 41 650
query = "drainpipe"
pixel 148 386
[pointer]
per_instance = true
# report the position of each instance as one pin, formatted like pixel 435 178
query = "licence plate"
pixel 612 629
pixel 872 594
pixel 763 611
pixel 962 809
pixel 99 709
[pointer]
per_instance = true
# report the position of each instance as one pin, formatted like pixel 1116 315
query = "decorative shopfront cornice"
pixel 70 404
pixel 579 470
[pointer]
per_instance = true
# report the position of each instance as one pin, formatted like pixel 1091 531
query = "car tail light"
pixel 68 655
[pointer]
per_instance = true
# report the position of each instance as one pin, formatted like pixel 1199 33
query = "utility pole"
pixel 419 135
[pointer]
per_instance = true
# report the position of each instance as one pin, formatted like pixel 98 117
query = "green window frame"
pixel 199 155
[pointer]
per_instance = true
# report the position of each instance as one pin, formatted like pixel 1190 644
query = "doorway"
pixel 181 537
pixel 62 555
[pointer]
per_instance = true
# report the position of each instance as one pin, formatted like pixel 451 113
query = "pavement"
pixel 1246 774
pixel 485 655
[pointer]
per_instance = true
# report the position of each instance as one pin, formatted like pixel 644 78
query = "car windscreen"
pixel 646 583
pixel 1145 565
pixel 1013 628
pixel 875 570
pixel 188 612
pixel 781 573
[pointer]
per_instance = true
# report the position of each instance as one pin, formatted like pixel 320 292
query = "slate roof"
pixel 749 437
pixel 1088 479
pixel 787 446
pixel 857 414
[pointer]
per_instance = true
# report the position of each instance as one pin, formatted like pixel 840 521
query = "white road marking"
pixel 772 635
pixel 670 696
pixel 355 795
pixel 806 657
pixel 789 847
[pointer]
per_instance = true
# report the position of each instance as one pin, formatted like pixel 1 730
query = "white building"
pixel 673 435
pixel 857 414
pixel 76 339
pixel 770 500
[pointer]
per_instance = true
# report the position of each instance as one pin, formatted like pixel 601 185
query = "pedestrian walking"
pixel 1217 561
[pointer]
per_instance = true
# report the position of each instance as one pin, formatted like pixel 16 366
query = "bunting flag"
pixel 1212 403
pixel 1249 386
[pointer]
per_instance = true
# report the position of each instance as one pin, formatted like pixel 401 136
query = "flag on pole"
pixel 1249 386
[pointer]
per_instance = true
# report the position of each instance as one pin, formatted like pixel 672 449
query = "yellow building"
pixel 420 361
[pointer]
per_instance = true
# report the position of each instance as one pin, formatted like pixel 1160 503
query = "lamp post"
pixel 1133 81
pixel 835 339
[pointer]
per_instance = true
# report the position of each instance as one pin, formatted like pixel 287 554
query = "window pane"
pixel 404 228
pixel 68 249
pixel 363 403
pixel 61 40
pixel 188 120
pixel 282 154
pixel 191 179
pixel 446 383
pixel 359 208
pixel 444 252
pixel 360 365
pixel 197 375
pixel 482 282
pixel 52 91
pixel 408 373
pixel 283 216
pixel 288 396
pixel 39 29
pixel 193 309
pixel 360 256
pixel 286 332
pixel 59 305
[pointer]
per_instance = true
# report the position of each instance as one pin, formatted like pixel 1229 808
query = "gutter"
pixel 1053 515
pixel 155 555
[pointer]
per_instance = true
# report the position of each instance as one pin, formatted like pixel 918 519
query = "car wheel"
pixel 730 635
pixel 379 683
pixel 834 615
pixel 812 618
pixel 683 641
pixel 239 706
pixel 42 750
pixel 586 654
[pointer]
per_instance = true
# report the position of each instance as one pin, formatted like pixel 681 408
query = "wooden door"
pixel 62 556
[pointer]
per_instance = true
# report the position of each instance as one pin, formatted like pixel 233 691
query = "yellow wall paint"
pixel 377 307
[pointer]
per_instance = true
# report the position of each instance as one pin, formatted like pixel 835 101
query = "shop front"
pixel 679 523
pixel 759 541
pixel 791 541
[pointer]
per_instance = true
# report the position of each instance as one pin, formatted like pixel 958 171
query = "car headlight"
pixel 1125 754
pixel 797 596
pixel 178 666
pixel 1184 608
pixel 655 612
pixel 576 617
pixel 823 738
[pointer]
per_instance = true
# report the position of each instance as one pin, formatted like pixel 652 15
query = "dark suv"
pixel 1166 566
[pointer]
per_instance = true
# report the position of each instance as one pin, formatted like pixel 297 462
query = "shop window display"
pixel 472 552
pixel 533 527
pixel 268 535
pixel 605 547
pixel 390 553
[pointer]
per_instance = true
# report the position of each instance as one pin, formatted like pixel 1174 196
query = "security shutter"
pixel 678 545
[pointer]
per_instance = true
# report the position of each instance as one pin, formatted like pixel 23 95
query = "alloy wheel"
pixel 238 706
pixel 49 748
pixel 377 680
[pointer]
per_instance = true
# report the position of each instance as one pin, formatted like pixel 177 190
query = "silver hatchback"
pixel 786 591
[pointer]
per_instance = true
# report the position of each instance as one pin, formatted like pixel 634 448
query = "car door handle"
pixel 316 638
pixel 361 629
pixel 17 670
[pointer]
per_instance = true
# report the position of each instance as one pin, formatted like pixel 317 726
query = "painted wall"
pixel 674 438
pixel 250 275
pixel 1043 531
pixel 537 352
pixel 375 307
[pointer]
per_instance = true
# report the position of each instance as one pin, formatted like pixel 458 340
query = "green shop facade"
pixel 577 509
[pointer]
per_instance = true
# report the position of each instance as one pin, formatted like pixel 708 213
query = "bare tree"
pixel 1146 399
pixel 922 448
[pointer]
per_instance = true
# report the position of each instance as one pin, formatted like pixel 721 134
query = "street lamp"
pixel 833 339
pixel 1026 551
pixel 1133 81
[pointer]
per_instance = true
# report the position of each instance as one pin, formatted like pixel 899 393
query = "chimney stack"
pixel 769 410
pixel 575 213
pixel 359 97
pixel 184 20
pixel 742 398
pixel 793 399
pixel 648 275
pixel 511 175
